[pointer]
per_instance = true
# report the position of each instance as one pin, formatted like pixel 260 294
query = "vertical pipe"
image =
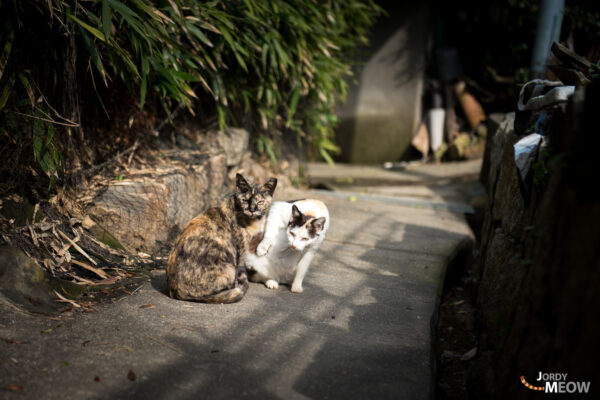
pixel 547 30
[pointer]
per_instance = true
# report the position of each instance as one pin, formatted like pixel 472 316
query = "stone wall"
pixel 148 209
pixel 540 262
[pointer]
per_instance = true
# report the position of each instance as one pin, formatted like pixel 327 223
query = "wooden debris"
pixel 81 281
pixel 572 59
pixel 97 271
pixel 33 236
pixel 79 249
pixel 63 299
pixel 163 343
pixel 109 281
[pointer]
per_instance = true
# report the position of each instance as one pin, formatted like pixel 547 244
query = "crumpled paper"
pixel 538 94
pixel 526 151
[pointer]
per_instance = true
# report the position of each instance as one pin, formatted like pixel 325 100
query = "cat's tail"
pixel 230 295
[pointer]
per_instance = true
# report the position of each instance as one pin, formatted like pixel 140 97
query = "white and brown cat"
pixel 292 236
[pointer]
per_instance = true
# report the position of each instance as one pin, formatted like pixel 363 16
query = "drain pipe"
pixel 548 30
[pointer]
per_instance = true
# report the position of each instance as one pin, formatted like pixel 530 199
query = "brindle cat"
pixel 204 264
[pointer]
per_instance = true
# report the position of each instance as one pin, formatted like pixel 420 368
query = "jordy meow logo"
pixel 549 382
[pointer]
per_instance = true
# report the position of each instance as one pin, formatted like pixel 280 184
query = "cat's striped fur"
pixel 204 264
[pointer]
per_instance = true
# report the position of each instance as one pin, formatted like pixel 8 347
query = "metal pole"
pixel 548 30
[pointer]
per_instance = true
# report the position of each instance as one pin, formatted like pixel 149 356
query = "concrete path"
pixel 360 330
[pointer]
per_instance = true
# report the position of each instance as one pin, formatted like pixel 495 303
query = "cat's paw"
pixel 263 248
pixel 271 284
pixel 297 288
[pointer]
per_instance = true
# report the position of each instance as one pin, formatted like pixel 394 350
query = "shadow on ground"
pixel 359 330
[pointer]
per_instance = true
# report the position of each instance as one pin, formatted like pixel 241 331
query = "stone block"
pixel 149 209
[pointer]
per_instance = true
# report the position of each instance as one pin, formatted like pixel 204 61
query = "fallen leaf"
pixel 147 306
pixel 14 387
pixel 47 330
pixel 458 303
pixel 63 299
pixel 127 292
pixel 131 375
pixel 12 341
pixel 108 281
pixel 469 354
pixel 96 379
pixel 64 363
pixel 353 198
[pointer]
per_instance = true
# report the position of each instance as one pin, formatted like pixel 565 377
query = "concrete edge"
pixel 457 259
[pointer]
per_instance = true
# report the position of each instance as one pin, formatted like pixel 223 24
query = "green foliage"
pixel 283 62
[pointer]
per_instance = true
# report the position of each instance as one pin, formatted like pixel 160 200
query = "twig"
pixel 184 327
pixel 63 299
pixel 33 236
pixel 97 271
pixel 132 153
pixel 96 90
pixel 81 281
pixel 169 118
pixel 87 172
pixel 138 288
pixel 163 343
pixel 47 103
pixel 45 119
pixel 79 249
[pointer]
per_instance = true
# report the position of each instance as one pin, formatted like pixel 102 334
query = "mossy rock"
pixel 29 286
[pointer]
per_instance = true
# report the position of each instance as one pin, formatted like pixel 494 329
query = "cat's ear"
pixel 270 186
pixel 296 216
pixel 318 224
pixel 241 184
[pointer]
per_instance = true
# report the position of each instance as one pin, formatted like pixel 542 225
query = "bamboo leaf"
pixel 28 89
pixel 198 33
pixel 326 156
pixel 221 114
pixel 6 51
pixel 89 28
pixel 92 50
pixel 6 92
pixel 269 148
pixel 143 88
pixel 106 24
pixel 293 104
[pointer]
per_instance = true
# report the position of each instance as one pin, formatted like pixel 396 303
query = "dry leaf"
pixel 469 354
pixel 15 387
pixel 147 306
pixel 96 379
pixel 63 299
pixel 13 341
pixel 108 281
pixel 131 375
pixel 95 270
